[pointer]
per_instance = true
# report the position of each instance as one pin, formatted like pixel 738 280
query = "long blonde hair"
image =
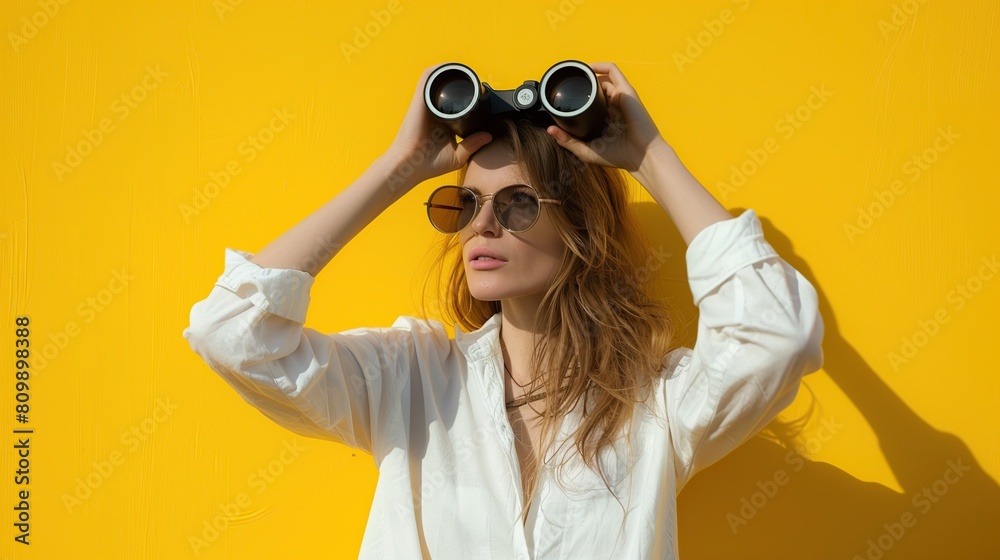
pixel 604 328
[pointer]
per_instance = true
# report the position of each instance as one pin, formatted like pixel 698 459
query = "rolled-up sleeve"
pixel 759 332
pixel 340 387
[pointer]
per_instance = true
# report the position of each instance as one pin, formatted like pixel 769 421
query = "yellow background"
pixel 872 434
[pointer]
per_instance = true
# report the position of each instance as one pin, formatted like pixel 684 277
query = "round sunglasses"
pixel 516 207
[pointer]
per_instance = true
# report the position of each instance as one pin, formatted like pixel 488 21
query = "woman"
pixel 561 348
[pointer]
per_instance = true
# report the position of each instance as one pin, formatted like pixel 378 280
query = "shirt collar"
pixel 481 342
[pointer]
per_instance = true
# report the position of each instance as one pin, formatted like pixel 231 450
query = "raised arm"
pixel 759 328
pixel 633 142
pixel 312 243
pixel 759 333
pixel 345 386
pixel 421 150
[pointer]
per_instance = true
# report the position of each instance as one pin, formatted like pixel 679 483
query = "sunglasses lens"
pixel 451 208
pixel 517 207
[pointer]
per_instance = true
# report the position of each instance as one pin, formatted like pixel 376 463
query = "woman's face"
pixel 529 259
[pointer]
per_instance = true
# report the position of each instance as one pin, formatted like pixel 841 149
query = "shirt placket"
pixel 495 399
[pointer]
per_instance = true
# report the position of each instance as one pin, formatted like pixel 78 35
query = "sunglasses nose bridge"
pixel 480 205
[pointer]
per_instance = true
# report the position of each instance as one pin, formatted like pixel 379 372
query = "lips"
pixel 484 252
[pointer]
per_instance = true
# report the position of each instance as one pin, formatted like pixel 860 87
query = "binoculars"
pixel 568 96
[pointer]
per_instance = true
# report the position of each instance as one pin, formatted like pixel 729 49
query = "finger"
pixel 424 76
pixel 614 111
pixel 600 67
pixel 471 144
pixel 615 97
pixel 607 88
pixel 433 67
pixel 611 69
pixel 567 140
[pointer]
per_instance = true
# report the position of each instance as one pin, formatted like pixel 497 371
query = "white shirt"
pixel 430 410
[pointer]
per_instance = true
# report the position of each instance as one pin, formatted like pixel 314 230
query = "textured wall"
pixel 142 138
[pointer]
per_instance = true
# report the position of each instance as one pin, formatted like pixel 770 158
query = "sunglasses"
pixel 516 207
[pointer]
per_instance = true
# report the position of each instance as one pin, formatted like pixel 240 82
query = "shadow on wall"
pixel 767 499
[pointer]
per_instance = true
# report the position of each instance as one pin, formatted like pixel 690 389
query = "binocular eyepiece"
pixel 568 96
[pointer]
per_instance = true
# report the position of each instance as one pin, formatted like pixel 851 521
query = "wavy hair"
pixel 604 329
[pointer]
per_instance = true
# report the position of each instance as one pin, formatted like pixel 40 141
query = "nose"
pixel 485 221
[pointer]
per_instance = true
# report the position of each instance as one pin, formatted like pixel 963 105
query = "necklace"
pixel 520 401
pixel 512 376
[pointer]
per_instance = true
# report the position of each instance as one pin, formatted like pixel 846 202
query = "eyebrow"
pixel 477 188
pixel 477 191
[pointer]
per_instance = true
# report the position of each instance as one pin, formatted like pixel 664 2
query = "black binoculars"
pixel 568 96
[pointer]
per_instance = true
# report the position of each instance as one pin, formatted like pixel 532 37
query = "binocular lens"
pixel 569 90
pixel 569 93
pixel 452 92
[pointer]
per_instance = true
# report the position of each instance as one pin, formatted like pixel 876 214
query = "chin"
pixel 487 290
pixel 494 292
pixel 486 294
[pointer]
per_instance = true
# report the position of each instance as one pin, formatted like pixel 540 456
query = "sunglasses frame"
pixel 481 200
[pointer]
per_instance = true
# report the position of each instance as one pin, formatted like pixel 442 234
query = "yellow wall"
pixel 160 98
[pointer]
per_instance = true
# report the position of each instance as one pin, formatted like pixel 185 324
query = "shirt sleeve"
pixel 759 332
pixel 343 387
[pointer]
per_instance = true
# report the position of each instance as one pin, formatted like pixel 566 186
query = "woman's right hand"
pixel 424 147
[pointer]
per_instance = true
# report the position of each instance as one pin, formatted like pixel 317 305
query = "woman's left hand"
pixel 629 135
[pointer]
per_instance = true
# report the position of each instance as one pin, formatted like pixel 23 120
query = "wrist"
pixel 656 153
pixel 398 172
